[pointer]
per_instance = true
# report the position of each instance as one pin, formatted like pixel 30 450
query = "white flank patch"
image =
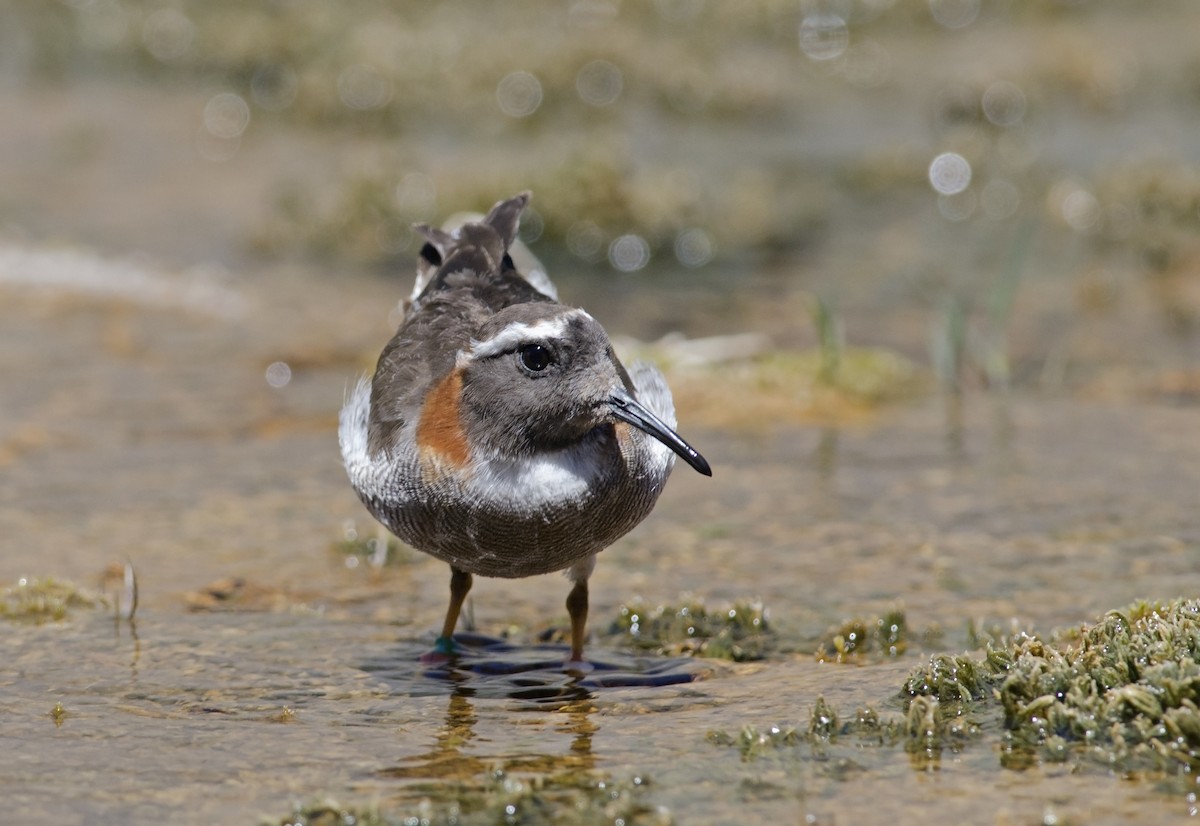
pixel 519 332
pixel 652 391
pixel 352 437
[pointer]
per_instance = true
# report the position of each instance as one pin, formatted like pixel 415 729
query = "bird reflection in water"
pixel 485 670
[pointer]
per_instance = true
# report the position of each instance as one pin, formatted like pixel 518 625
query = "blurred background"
pixel 1007 192
pixel 811 214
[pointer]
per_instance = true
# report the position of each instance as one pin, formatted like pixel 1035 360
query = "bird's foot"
pixel 443 649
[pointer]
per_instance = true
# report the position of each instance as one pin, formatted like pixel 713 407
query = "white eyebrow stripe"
pixel 517 332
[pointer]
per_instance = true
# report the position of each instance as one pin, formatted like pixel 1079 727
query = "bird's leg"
pixel 577 608
pixel 460 586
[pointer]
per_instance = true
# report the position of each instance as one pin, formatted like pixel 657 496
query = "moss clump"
pixel 1124 692
pixel 503 798
pixel 752 742
pixel 946 699
pixel 45 600
pixel 859 639
pixel 739 632
pixel 330 813
pixel 931 726
pixel 825 727
pixel 959 679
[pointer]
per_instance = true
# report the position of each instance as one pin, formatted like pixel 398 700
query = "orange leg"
pixel 577 608
pixel 460 586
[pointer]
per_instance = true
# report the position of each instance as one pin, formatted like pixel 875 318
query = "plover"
pixel 500 432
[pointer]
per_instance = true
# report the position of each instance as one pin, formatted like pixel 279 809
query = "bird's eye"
pixel 535 357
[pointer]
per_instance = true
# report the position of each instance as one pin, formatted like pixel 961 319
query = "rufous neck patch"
pixel 440 435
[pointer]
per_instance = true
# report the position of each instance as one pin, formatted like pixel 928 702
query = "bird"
pixel 500 432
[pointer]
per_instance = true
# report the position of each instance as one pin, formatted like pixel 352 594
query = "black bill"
pixel 628 409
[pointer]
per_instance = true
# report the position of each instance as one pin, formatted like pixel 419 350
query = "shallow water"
pixel 225 719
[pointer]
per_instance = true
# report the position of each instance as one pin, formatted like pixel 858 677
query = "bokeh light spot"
pixel 519 94
pixel 168 34
pixel 363 87
pixel 1081 210
pixel 694 247
pixel 949 173
pixel 599 83
pixel 629 253
pixel 226 115
pixel 1004 103
pixel 532 225
pixel 954 14
pixel 823 36
pixel 279 373
pixel 586 240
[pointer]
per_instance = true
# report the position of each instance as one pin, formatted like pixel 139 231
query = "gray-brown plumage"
pixel 500 433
